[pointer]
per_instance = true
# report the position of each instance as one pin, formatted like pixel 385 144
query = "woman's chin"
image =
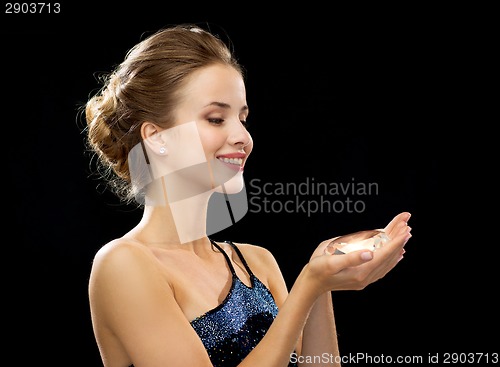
pixel 232 186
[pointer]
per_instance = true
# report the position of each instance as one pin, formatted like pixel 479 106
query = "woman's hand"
pixel 356 270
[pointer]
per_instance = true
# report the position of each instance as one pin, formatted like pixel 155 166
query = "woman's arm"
pixel 314 280
pixel 135 312
pixel 320 334
pixel 318 339
pixel 135 315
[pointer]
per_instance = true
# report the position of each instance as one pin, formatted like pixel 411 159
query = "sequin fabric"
pixel 231 330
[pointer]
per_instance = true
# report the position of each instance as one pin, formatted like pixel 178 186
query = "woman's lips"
pixel 233 161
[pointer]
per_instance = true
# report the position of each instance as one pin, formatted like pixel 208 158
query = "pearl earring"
pixel 163 150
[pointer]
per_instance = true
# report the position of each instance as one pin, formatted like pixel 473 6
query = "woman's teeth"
pixel 237 161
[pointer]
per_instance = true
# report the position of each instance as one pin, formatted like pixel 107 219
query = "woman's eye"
pixel 215 121
pixel 245 123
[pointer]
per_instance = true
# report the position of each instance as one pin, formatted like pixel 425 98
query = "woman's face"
pixel 207 147
pixel 215 98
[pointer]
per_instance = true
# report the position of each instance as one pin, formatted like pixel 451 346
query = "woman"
pixel 169 124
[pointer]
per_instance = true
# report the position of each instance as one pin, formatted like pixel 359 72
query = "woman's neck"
pixel 180 222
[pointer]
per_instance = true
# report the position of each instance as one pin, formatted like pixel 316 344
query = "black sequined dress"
pixel 232 329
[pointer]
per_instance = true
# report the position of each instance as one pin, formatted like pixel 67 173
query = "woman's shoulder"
pixel 121 255
pixel 250 248
pixel 120 247
pixel 264 265
pixel 256 254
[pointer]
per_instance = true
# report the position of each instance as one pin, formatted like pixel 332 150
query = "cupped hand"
pixel 356 270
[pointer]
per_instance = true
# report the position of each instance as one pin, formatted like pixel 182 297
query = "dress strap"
pixel 240 255
pixel 229 263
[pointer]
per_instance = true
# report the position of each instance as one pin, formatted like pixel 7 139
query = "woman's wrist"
pixel 309 285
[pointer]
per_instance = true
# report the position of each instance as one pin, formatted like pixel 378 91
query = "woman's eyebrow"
pixel 219 104
pixel 226 105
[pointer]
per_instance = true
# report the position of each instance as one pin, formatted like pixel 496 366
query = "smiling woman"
pixel 169 128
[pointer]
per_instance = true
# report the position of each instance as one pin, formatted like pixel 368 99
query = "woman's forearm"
pixel 319 341
pixel 280 341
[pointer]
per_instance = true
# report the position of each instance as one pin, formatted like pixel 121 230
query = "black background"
pixel 339 95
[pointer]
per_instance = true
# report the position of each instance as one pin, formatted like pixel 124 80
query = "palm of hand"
pixel 350 271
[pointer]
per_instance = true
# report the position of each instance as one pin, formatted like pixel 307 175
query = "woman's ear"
pixel 148 129
pixel 152 138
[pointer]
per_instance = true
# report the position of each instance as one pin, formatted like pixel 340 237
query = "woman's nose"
pixel 239 134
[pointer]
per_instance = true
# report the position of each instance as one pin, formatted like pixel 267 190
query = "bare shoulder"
pixel 124 271
pixel 261 260
pixel 121 260
pixel 256 254
pixel 266 268
pixel 120 252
